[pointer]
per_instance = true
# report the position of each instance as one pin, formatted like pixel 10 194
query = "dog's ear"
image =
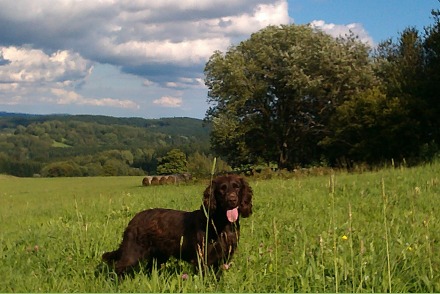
pixel 245 207
pixel 209 201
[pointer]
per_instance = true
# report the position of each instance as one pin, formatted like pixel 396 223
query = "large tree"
pixel 431 86
pixel 174 162
pixel 383 122
pixel 371 128
pixel 272 95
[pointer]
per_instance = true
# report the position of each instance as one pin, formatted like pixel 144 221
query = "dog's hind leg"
pixel 113 256
pixel 131 253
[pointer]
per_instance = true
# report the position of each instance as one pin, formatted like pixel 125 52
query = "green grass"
pixel 370 232
pixel 60 145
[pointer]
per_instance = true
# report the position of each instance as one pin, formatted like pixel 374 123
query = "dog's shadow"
pixel 107 271
pixel 172 267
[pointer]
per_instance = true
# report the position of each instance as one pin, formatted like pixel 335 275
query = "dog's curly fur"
pixel 157 234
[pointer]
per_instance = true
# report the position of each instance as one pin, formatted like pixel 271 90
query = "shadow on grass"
pixel 172 268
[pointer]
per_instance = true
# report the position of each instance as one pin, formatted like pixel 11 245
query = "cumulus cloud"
pixel 24 65
pixel 64 97
pixel 181 53
pixel 30 75
pixel 51 47
pixel 148 83
pixel 336 30
pixel 186 83
pixel 137 32
pixel 167 101
pixel 247 23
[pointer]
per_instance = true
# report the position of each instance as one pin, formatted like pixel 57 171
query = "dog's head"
pixel 231 194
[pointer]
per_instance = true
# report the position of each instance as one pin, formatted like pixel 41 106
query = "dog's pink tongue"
pixel 232 214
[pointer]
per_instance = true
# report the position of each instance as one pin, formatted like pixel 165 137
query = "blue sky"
pixel 145 58
pixel 381 19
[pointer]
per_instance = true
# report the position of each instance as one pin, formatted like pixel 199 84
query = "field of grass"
pixel 370 232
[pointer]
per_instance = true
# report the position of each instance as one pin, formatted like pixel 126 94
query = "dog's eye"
pixel 235 185
pixel 223 187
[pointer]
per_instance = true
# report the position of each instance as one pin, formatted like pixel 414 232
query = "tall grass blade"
pixel 214 163
pixel 385 204
pixel 333 226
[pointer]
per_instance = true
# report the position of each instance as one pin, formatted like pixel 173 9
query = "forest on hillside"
pixel 91 145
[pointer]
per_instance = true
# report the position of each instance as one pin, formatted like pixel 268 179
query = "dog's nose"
pixel 233 199
pixel 233 196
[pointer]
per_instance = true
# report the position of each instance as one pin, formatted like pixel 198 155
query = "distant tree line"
pixel 53 146
pixel 294 96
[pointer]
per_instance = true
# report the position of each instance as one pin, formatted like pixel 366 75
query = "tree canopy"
pixel 295 96
pixel 272 95
pixel 174 162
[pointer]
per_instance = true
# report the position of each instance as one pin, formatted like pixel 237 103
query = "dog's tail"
pixel 112 256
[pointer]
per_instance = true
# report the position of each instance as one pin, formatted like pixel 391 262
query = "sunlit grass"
pixel 371 232
pixel 60 145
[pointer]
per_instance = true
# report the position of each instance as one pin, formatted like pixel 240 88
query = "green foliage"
pixel 273 94
pixel 430 85
pixel 61 169
pixel 120 146
pixel 174 162
pixel 200 165
pixel 371 128
pixel 307 234
pixel 400 68
pixel 25 168
pixel 409 71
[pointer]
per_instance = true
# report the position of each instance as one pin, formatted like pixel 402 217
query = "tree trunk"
pixel 284 156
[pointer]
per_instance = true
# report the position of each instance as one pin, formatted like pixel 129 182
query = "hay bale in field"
pixel 146 181
pixel 166 180
pixel 155 180
pixel 163 180
pixel 185 177
pixel 172 179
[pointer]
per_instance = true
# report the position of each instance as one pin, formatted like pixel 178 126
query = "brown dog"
pixel 157 234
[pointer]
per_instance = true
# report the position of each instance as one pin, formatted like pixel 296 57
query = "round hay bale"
pixel 163 180
pixel 146 181
pixel 155 180
pixel 171 179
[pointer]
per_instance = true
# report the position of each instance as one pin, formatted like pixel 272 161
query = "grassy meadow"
pixel 369 232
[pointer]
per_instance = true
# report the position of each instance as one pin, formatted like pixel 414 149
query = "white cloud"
pixel 32 76
pixel 336 30
pixel 51 47
pixel 24 65
pixel 69 97
pixel 183 53
pixel 186 83
pixel 262 16
pixel 193 82
pixel 171 84
pixel 148 83
pixel 167 101
pixel 139 32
